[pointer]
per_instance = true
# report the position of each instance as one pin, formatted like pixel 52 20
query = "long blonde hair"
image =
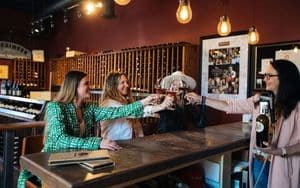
pixel 67 92
pixel 111 89
pixel 68 89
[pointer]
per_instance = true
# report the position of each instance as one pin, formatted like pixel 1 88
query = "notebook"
pixel 98 165
pixel 74 157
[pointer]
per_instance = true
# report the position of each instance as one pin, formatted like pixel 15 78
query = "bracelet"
pixel 283 152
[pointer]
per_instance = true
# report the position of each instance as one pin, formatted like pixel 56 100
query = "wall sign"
pixel 10 50
pixel 3 71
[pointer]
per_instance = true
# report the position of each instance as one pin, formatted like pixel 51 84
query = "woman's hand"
pixel 270 149
pixel 151 99
pixel 192 98
pixel 256 97
pixel 168 103
pixel 109 144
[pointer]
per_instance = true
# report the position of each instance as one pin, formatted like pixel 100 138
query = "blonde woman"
pixel 69 119
pixel 117 93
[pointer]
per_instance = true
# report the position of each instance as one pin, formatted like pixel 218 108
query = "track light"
pixel 65 17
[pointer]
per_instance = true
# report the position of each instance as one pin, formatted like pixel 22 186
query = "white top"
pixel 121 128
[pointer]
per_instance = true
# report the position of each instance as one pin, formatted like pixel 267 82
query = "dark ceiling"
pixel 44 8
pixel 26 5
pixel 38 8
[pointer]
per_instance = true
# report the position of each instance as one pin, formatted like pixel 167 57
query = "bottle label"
pixel 259 127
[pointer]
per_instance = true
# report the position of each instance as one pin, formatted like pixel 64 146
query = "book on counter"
pixel 97 165
pixel 75 157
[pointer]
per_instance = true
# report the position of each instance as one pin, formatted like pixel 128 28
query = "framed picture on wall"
pixel 3 71
pixel 225 66
pixel 263 54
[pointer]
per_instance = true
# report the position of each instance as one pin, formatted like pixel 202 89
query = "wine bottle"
pixel 18 89
pixel 8 87
pixel 262 125
pixel 202 118
pixel 13 89
pixel 3 87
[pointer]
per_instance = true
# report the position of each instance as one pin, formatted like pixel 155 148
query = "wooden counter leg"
pixel 8 156
pixel 225 174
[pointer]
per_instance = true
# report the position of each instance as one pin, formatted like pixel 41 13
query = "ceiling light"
pixel 224 26
pixel 122 2
pixel 253 36
pixel 89 7
pixel 295 49
pixel 184 12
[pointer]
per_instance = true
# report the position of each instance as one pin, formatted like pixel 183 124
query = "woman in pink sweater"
pixel 282 167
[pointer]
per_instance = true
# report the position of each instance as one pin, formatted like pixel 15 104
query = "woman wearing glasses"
pixel 282 167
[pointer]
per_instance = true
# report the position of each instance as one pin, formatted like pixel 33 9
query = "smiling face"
pixel 271 79
pixel 123 86
pixel 83 89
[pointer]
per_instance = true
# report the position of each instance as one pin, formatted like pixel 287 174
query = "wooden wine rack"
pixel 143 65
pixel 31 74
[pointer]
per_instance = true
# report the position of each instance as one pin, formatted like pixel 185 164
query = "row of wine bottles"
pixel 11 88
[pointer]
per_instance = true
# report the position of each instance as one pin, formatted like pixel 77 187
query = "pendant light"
pixel 296 49
pixel 122 2
pixel 184 12
pixel 224 25
pixel 253 35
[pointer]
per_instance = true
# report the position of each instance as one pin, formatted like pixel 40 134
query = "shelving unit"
pixel 143 65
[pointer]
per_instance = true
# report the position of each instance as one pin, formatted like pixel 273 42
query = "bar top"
pixel 144 158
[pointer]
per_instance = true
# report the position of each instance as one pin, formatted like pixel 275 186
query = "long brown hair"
pixel 111 89
pixel 68 89
pixel 67 92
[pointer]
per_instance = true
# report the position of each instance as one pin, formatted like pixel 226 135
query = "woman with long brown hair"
pixel 278 165
pixel 117 93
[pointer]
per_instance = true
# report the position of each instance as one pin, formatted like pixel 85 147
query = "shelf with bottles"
pixel 19 107
pixel 143 65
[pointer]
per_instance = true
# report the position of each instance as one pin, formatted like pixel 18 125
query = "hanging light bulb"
pixel 295 49
pixel 122 2
pixel 89 7
pixel 253 36
pixel 224 26
pixel 184 12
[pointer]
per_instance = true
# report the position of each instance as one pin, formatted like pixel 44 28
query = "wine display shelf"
pixel 143 65
pixel 32 75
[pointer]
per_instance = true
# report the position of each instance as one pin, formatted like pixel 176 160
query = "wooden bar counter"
pixel 145 158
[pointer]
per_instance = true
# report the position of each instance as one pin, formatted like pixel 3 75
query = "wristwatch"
pixel 283 152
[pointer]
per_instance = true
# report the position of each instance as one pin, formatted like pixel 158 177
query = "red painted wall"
pixel 147 22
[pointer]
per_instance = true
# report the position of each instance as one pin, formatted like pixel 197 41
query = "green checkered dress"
pixel 63 129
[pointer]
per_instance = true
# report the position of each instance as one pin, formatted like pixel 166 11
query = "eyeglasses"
pixel 268 75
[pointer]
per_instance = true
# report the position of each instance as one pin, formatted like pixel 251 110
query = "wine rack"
pixel 31 75
pixel 143 65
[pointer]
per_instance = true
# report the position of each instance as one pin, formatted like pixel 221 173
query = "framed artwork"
pixel 3 71
pixel 225 66
pixel 263 54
